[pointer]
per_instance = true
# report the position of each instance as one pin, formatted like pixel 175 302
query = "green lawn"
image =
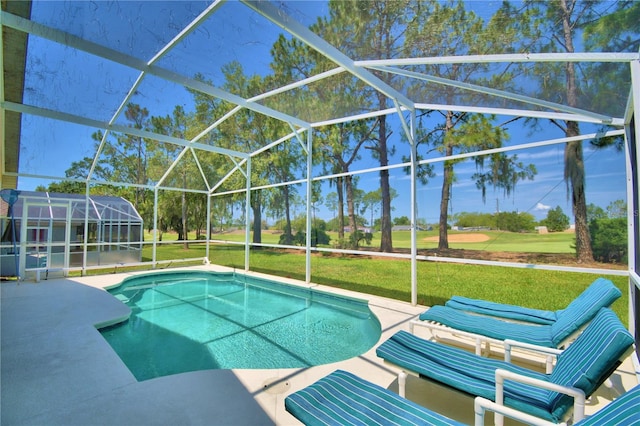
pixel 517 242
pixel 558 242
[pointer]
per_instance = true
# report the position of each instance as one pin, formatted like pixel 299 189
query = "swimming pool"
pixel 186 321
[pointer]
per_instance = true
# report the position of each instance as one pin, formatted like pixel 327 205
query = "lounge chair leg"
pixel 402 384
pixel 549 364
pixel 578 408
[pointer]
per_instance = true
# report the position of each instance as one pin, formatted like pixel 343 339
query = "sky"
pixel 62 79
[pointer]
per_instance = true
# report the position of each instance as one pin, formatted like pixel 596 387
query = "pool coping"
pixel 57 369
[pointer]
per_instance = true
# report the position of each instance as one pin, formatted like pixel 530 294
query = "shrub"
pixel 472 220
pixel 609 239
pixel 515 222
pixel 286 239
pixel 356 237
pixel 556 220
pixel 318 237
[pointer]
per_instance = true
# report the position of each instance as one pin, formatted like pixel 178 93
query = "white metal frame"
pixel 578 395
pixel 362 71
pixel 481 406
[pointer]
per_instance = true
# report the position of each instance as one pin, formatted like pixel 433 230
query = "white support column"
pixel 66 258
pixel 309 209
pixel 633 180
pixel 24 222
pixel 208 238
pixel 247 218
pixel 414 210
pixel 410 131
pixel 631 208
pixel 86 230
pixel 155 228
pixel 633 189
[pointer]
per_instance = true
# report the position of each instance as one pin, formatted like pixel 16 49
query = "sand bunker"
pixel 462 238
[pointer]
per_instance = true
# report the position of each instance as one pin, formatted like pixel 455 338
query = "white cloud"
pixel 541 206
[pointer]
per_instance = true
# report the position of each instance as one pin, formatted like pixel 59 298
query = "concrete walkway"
pixel 58 370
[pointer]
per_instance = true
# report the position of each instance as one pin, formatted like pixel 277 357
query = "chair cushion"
pixel 464 371
pixel 585 365
pixel 624 411
pixel 501 310
pixel 593 356
pixel 488 326
pixel 600 294
pixel 342 398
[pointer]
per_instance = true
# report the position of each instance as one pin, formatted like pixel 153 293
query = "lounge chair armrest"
pixel 578 395
pixel 550 352
pixel 433 327
pixel 482 405
pixel 508 344
pixel 425 324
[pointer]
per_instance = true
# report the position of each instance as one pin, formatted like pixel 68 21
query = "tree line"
pixel 366 29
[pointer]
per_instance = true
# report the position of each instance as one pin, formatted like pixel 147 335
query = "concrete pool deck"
pixel 56 369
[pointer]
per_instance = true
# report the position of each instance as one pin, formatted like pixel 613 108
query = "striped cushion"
pixel 600 294
pixel 463 370
pixel 624 411
pixel 342 398
pixel 490 327
pixel 587 362
pixel 501 310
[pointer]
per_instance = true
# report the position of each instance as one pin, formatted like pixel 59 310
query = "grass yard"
pixel 557 242
pixel 437 282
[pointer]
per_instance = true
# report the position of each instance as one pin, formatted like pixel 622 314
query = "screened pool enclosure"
pixel 45 232
pixel 247 115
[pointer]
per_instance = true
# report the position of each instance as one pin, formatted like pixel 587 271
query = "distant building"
pixel 471 228
pixel 542 230
pixel 408 228
pixel 364 229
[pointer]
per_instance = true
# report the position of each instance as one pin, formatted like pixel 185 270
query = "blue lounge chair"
pixel 600 294
pixel 624 411
pixel 579 370
pixel 342 398
pixel 561 328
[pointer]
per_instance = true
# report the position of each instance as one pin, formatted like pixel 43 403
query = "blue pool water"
pixel 186 321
